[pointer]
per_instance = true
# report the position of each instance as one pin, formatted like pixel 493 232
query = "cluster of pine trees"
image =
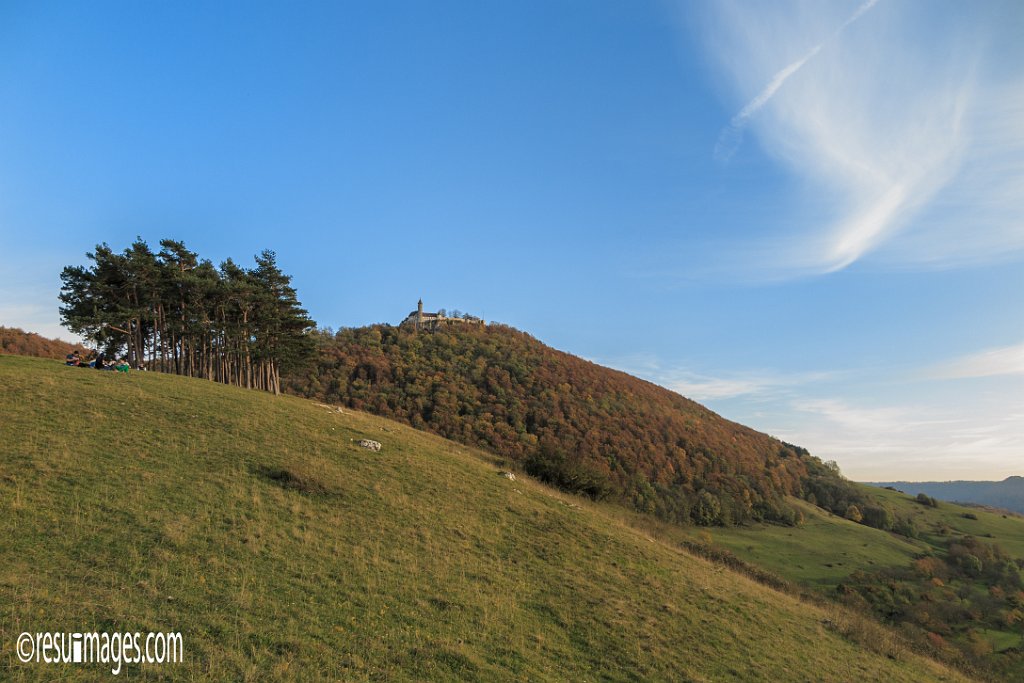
pixel 174 312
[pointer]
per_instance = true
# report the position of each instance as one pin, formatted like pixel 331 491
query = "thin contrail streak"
pixel 732 135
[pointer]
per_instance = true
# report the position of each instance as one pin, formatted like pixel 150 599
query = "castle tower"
pixel 419 314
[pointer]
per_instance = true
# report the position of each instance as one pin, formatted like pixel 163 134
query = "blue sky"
pixel 807 215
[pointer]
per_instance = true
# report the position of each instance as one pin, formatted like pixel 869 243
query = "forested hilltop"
pixel 573 423
pixel 18 342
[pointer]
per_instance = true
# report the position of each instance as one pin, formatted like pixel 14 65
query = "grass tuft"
pixel 303 482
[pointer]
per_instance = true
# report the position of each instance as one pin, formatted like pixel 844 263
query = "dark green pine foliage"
pixel 174 312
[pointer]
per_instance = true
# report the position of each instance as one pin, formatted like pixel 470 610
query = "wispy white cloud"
pixel 936 439
pixel 732 134
pixel 905 126
pixel 702 388
pixel 841 413
pixel 879 424
pixel 760 384
pixel 1005 360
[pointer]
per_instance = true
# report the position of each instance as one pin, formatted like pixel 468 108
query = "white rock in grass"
pixel 372 445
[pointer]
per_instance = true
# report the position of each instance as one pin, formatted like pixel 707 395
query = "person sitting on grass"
pixel 122 366
pixel 73 359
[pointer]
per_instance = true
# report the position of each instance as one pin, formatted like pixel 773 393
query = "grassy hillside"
pixel 575 424
pixel 283 551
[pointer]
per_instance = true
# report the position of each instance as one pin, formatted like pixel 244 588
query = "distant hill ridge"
pixel 583 427
pixel 1007 494
pixel 16 341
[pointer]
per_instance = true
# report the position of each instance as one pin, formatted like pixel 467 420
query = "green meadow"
pixel 821 552
pixel 826 548
pixel 281 550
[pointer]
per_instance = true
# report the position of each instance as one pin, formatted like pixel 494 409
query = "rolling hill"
pixel 575 424
pixel 282 550
pixel 956 586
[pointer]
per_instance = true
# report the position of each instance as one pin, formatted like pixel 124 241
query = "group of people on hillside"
pixel 97 362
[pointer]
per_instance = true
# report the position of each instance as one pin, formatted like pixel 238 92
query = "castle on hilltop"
pixel 421 320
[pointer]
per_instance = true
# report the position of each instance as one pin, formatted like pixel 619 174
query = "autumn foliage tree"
pixel 18 342
pixel 575 424
pixel 948 600
pixel 853 513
